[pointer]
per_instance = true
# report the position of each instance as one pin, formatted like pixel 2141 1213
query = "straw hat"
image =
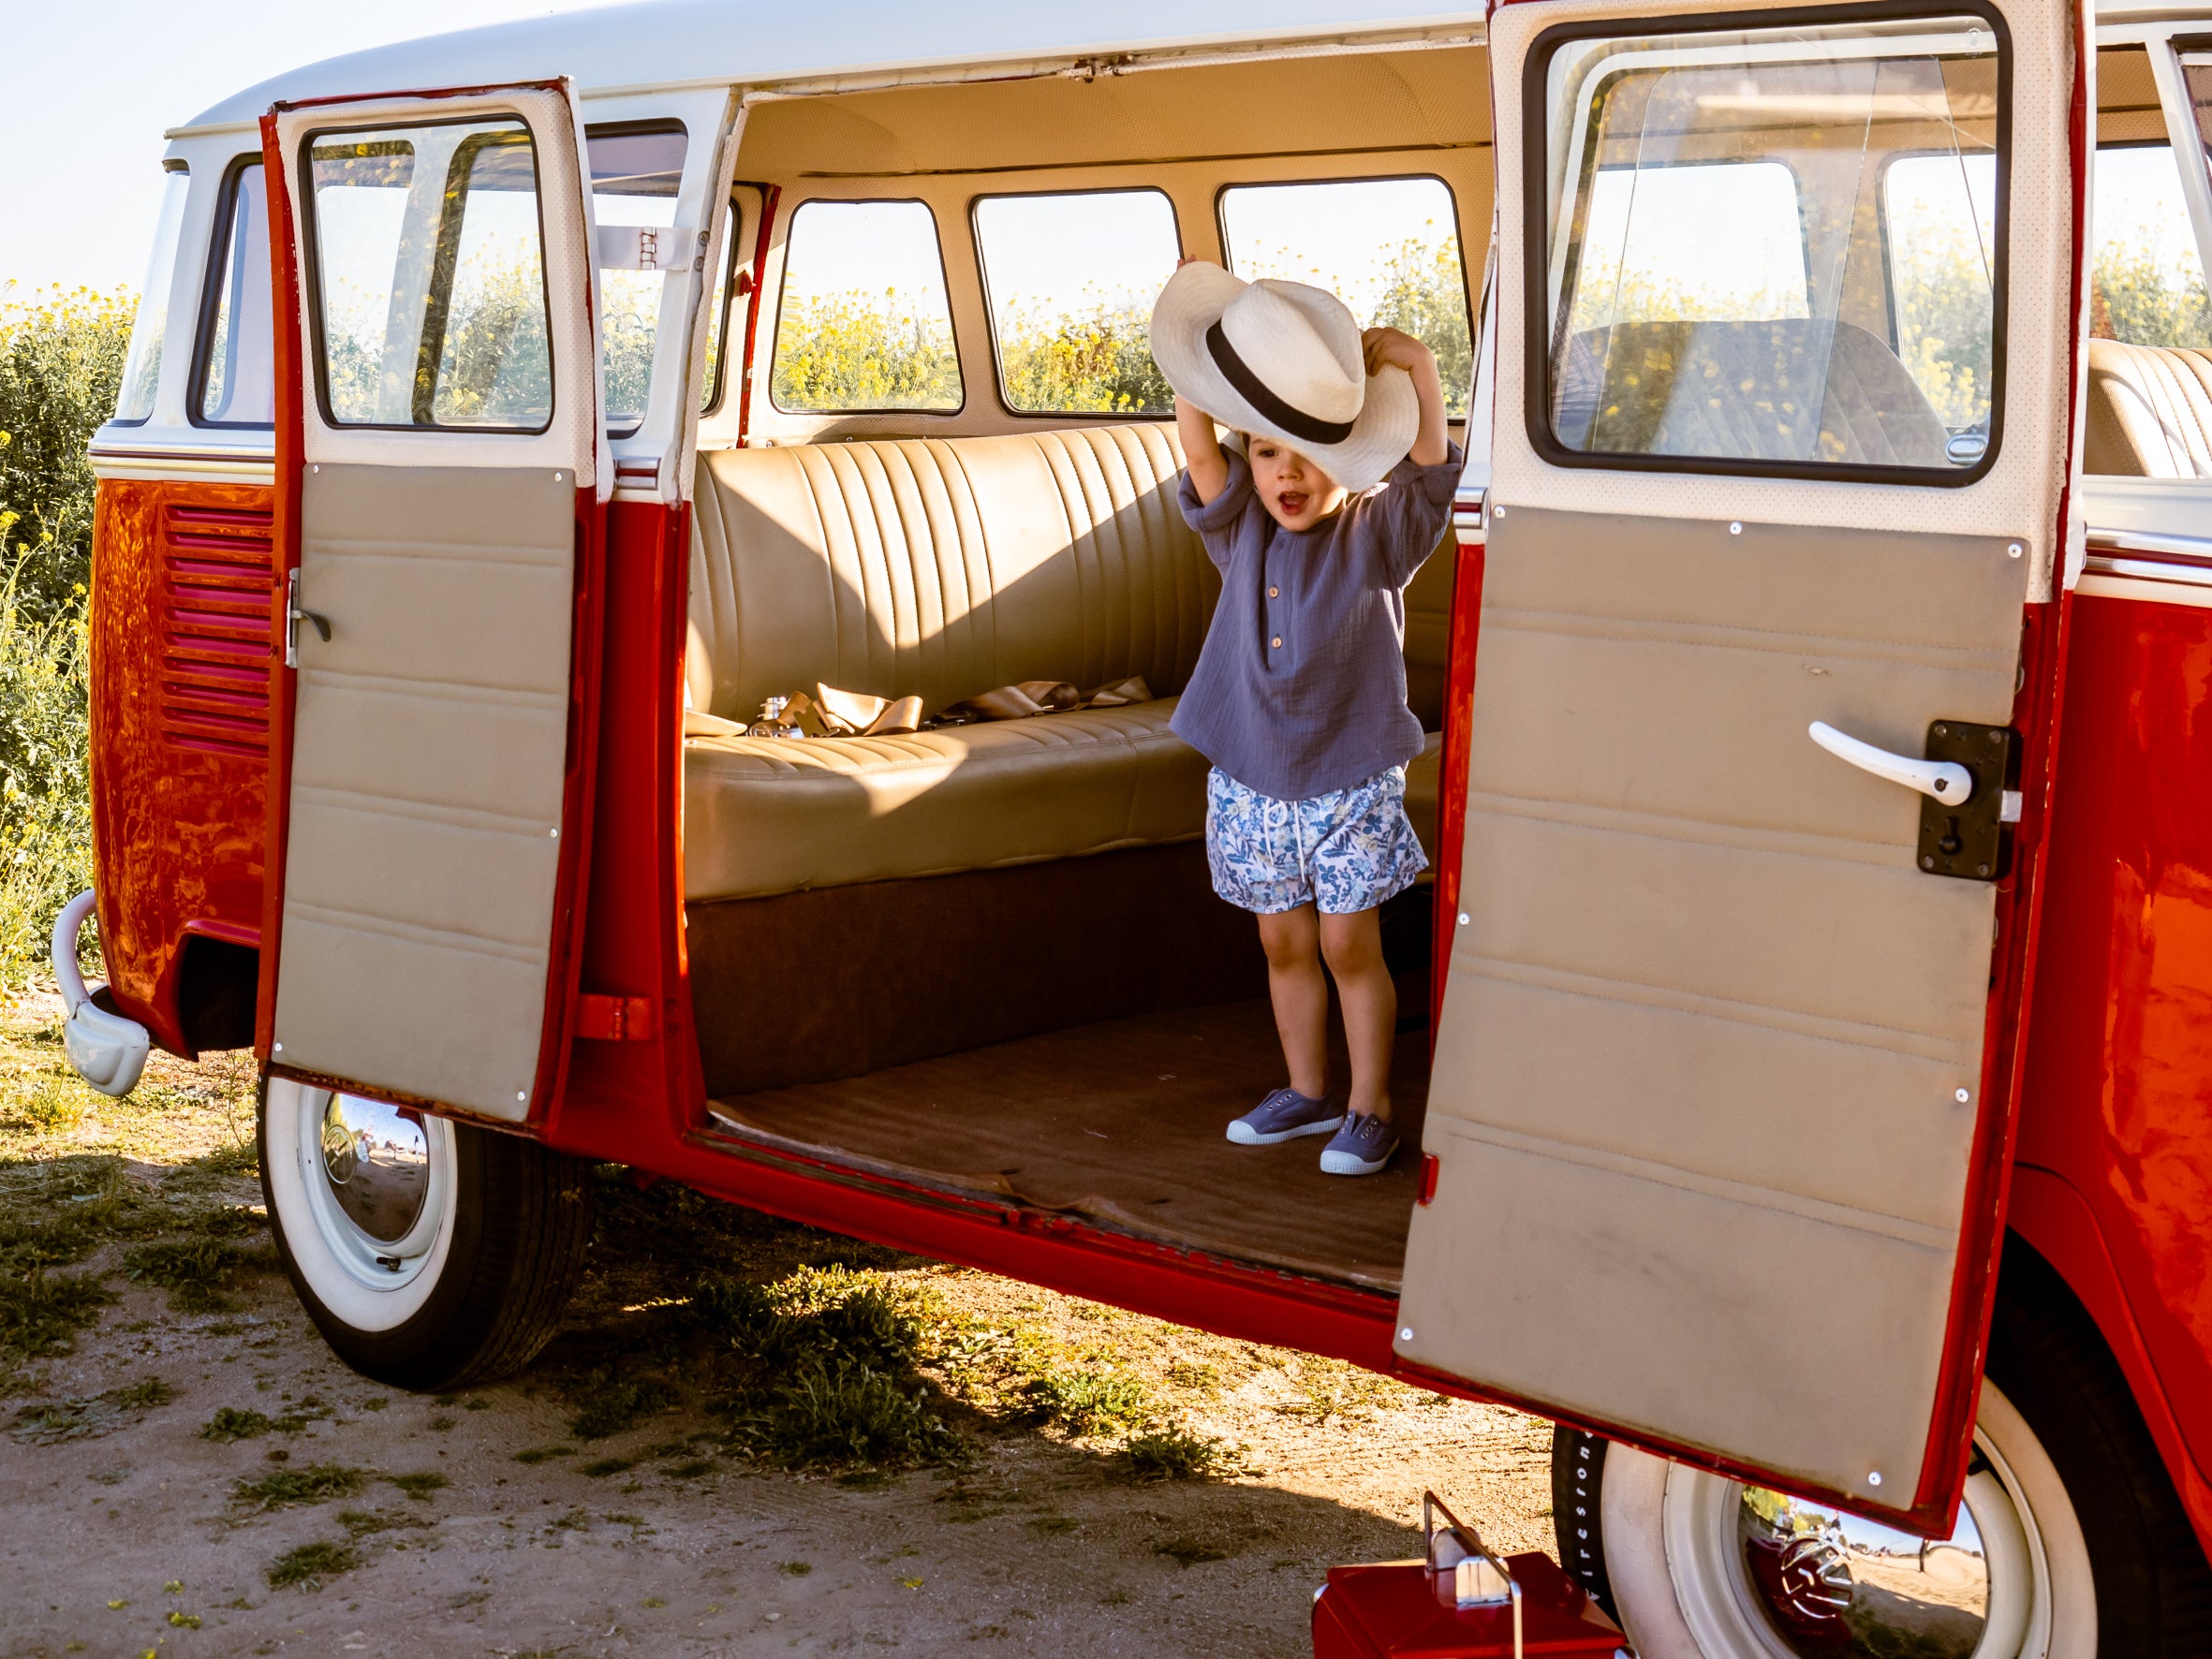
pixel 1283 360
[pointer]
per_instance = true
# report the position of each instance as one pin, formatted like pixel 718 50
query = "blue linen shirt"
pixel 1300 688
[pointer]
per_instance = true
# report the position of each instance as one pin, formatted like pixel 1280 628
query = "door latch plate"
pixel 1969 841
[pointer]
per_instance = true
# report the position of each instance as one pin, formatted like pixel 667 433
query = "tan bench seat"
pixel 771 816
pixel 942 568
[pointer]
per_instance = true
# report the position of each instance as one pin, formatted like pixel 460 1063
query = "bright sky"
pixel 91 88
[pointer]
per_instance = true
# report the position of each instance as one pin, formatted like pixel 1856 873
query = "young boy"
pixel 1299 696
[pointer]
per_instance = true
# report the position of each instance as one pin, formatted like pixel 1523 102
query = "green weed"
pixel 284 1488
pixel 40 1315
pixel 194 1271
pixel 541 1454
pixel 1173 1454
pixel 1088 1401
pixel 418 1487
pixel 230 1424
pixel 599 1468
pixel 86 1416
pixel 1187 1551
pixel 311 1563
pixel 845 1413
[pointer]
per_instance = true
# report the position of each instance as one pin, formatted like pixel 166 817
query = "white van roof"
pixel 667 43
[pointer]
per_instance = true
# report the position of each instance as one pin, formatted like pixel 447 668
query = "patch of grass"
pixel 846 1413
pixel 1196 1376
pixel 194 1271
pixel 309 1564
pixel 576 1520
pixel 1186 1550
pixel 599 1468
pixel 689 1471
pixel 797 1569
pixel 86 1416
pixel 612 1403
pixel 1173 1454
pixel 1050 1524
pixel 1088 1401
pixel 230 1424
pixel 418 1487
pixel 362 1523
pixel 544 1453
pixel 282 1487
pixel 41 1314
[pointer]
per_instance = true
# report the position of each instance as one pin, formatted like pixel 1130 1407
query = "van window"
pixel 237 374
pixel 1941 211
pixel 864 323
pixel 1389 248
pixel 2146 277
pixel 1071 280
pixel 430 278
pixel 1773 250
pixel 635 175
pixel 733 262
pixel 142 367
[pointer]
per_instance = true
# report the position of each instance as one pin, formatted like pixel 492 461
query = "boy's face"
pixel 1297 494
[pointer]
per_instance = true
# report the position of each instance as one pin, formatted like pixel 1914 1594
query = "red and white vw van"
pixel 1813 1002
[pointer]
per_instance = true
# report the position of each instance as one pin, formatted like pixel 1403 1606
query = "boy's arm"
pixel 1202 451
pixel 1432 445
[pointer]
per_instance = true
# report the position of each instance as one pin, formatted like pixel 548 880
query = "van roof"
pixel 667 43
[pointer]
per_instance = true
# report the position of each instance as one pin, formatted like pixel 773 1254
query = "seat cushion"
pixel 2151 411
pixel 774 814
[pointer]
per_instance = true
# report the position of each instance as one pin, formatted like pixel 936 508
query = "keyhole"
pixel 1948 843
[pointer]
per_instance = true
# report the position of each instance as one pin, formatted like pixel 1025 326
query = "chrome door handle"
pixel 1938 780
pixel 294 615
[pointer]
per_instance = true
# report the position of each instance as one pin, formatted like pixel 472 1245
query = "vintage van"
pixel 1810 1002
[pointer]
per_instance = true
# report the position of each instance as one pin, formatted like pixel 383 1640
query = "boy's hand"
pixel 1395 347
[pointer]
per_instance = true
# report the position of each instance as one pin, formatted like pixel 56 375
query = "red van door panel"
pixel 1722 1090
pixel 441 469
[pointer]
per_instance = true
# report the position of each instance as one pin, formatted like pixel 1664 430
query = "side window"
pixel 863 322
pixel 1072 281
pixel 1775 250
pixel 141 366
pixel 1389 248
pixel 2147 278
pixel 635 175
pixel 719 302
pixel 236 383
pixel 429 283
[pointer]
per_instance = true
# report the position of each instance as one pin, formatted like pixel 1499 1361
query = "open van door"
pixel 1725 1067
pixel 441 474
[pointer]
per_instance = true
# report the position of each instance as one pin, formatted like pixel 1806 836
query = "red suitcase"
pixel 1460 1602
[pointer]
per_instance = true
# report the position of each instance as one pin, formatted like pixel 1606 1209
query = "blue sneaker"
pixel 1285 1115
pixel 1362 1147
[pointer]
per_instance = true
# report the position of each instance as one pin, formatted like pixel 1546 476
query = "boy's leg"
pixel 1300 994
pixel 1353 946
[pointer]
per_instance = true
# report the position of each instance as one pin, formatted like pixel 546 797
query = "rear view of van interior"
pixel 986 958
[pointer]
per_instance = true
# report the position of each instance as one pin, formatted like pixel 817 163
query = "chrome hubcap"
pixel 378 1183
pixel 376 1159
pixel 1836 1587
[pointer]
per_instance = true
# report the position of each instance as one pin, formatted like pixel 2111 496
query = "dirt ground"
pixel 186 1468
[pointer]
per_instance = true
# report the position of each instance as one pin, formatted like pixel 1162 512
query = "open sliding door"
pixel 1723 1074
pixel 440 470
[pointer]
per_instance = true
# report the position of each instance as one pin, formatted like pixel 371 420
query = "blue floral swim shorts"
pixel 1342 852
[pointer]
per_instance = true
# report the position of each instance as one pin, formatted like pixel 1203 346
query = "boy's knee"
pixel 1351 944
pixel 1287 939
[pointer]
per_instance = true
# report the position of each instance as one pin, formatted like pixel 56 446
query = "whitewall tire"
pixel 428 1253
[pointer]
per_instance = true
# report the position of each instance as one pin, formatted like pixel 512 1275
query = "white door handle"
pixel 1938 780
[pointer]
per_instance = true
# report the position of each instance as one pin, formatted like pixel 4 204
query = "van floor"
pixel 1122 1121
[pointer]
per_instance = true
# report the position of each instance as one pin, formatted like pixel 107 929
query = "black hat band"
pixel 1297 422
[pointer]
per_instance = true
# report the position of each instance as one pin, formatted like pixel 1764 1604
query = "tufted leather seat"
pixel 2151 411
pixel 942 568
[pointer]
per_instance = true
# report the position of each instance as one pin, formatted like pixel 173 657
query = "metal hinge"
pixel 615 1019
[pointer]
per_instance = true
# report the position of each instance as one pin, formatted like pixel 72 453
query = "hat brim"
pixel 1192 302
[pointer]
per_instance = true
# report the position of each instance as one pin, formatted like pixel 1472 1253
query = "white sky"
pixel 92 87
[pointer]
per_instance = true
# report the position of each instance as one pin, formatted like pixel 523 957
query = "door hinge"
pixel 615 1019
pixel 1969 839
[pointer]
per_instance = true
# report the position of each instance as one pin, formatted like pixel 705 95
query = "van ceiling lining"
pixel 1418 97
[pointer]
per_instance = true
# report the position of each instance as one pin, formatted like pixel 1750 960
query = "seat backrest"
pixel 1790 390
pixel 943 567
pixel 2151 411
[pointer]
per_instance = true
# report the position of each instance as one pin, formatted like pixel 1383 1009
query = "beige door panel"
pixel 430 740
pixel 1695 1095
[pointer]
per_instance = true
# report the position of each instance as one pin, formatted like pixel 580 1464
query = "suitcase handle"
pixel 1479 1578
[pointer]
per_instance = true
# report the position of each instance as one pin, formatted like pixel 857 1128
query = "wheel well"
pixel 217 985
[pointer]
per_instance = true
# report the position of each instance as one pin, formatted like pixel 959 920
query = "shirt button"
pixel 1277 643
pixel 1274 592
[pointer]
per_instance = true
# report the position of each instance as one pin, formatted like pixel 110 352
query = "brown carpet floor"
pixel 1123 1120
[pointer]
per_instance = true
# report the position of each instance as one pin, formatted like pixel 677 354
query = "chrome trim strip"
pixel 2158 544
pixel 171 464
pixel 2191 574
